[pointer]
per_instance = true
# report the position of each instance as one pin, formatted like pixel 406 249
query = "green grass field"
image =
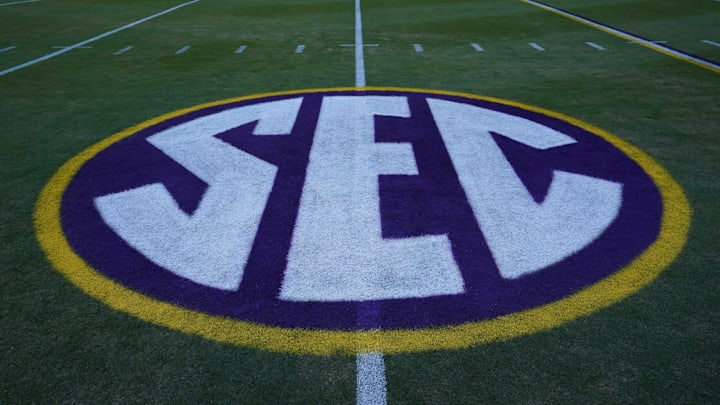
pixel 59 345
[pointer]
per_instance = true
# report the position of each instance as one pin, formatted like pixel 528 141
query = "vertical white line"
pixel 300 48
pixel 93 39
pixel 9 48
pixel 477 47
pixel 371 382
pixel 418 48
pixel 359 48
pixel 182 50
pixel 241 49
pixel 536 46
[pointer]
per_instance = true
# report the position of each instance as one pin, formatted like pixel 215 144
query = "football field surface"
pixel 81 77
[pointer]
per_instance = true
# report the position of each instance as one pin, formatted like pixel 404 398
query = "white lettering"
pixel 212 245
pixel 523 236
pixel 338 252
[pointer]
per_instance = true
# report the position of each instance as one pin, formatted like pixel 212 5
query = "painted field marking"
pixel 359 49
pixel 183 50
pixel 93 39
pixel 353 45
pixel 371 381
pixel 477 47
pixel 18 2
pixel 300 48
pixel 63 47
pixel 418 48
pixel 654 42
pixel 9 48
pixel 709 42
pixel 241 49
pixel 596 46
pixel 666 50
pixel 123 50
pixel 536 46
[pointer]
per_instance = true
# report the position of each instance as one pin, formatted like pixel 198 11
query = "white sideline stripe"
pixel 241 49
pixel 123 50
pixel 418 48
pixel 596 46
pixel 536 46
pixel 9 48
pixel 654 42
pixel 359 49
pixel 93 39
pixel 477 47
pixel 371 382
pixel 709 42
pixel 300 48
pixel 183 50
pixel 18 2
pixel 715 67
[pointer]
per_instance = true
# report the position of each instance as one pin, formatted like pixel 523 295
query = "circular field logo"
pixel 348 220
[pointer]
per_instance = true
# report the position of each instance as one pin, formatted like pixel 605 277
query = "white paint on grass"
pixel 183 50
pixel 93 39
pixel 709 42
pixel 241 49
pixel 123 50
pixel 19 2
pixel 78 47
pixel 300 48
pixel 524 236
pixel 359 49
pixel 715 67
pixel 477 47
pixel 9 48
pixel 210 246
pixel 338 252
pixel 371 381
pixel 596 46
pixel 536 46
pixel 418 48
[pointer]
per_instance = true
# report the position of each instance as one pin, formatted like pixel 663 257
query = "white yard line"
pixel 18 2
pixel 371 382
pixel 183 50
pixel 707 64
pixel 477 47
pixel 418 48
pixel 300 48
pixel 359 49
pixel 241 49
pixel 709 42
pixel 93 39
pixel 9 48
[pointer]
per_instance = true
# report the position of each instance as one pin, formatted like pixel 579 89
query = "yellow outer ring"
pixel 641 271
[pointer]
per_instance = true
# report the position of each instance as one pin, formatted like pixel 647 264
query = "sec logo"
pixel 348 220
